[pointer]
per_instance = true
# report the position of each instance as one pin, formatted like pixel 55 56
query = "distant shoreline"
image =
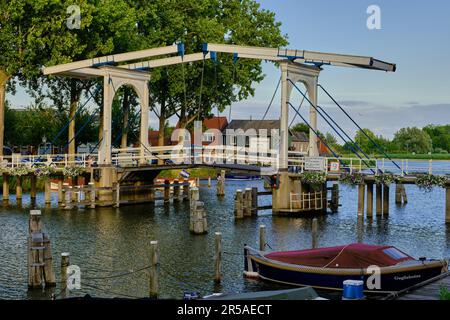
pixel 407 156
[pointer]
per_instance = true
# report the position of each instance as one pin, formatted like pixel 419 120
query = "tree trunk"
pixel 3 80
pixel 74 99
pixel 126 111
pixel 161 135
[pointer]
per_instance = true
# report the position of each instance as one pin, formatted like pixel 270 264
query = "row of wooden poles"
pixel 218 254
pixel 381 198
pixel 40 262
pixel 19 187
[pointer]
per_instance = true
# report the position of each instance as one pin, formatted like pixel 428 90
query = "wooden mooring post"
pixel 218 257
pixel 248 202
pixel 369 210
pixel 5 187
pixel 65 263
pixel 221 184
pixel 262 237
pixel 40 268
pixel 209 182
pixel 198 223
pixel 334 204
pixel 91 195
pixel 239 205
pixel 166 191
pixel 60 192
pixel 197 217
pixel 379 199
pixel 314 231
pixel 176 191
pixel 67 197
pixel 154 269
pixel 19 188
pixel 33 187
pixel 186 188
pixel 386 199
pixel 361 197
pixel 254 201
pixel 400 194
pixel 47 191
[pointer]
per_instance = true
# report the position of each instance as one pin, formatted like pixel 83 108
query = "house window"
pixel 208 137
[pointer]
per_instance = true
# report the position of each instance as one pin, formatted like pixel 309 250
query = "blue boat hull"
pixel 390 281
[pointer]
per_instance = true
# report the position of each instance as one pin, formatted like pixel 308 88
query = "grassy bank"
pixel 408 156
pixel 202 173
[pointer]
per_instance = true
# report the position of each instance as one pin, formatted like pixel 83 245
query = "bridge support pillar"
pixel 379 200
pixel 33 180
pixel 281 195
pixel 369 200
pixel 447 205
pixel 5 187
pixel 19 188
pixel 60 192
pixel 47 191
pixel 361 198
pixel 108 176
pixel 292 196
pixel 386 200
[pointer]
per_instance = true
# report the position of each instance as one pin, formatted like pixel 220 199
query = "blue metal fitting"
pixel 180 49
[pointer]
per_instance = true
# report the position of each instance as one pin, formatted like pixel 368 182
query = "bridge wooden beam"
pixel 310 57
pixel 150 64
pixel 110 59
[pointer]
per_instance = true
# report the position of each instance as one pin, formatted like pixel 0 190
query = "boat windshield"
pixel 395 253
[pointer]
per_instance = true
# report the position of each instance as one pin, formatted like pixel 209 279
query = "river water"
pixel 109 241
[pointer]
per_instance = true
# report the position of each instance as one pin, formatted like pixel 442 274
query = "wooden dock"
pixel 428 290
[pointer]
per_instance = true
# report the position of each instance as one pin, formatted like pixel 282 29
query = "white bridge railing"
pixel 334 165
pixel 172 155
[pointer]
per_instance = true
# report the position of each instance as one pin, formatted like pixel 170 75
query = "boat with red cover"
pixel 328 268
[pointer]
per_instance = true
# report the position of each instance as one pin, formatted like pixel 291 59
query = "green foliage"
pixel 29 126
pixel 413 140
pixel 364 142
pixel 73 171
pixel 386 179
pixel 19 171
pixel 120 103
pixel 428 182
pixel 315 179
pixel 440 135
pixel 351 179
pixel 176 90
pixel 301 127
pixel 444 293
pixel 43 171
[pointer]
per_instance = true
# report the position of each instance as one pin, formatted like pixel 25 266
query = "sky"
pixel 414 34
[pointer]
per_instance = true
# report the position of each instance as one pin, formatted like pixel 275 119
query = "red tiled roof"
pixel 215 123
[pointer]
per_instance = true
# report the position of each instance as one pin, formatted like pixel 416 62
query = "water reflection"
pixel 108 241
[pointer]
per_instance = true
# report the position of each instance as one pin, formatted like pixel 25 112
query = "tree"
pixel 413 140
pixel 364 142
pixel 301 127
pixel 440 136
pixel 107 27
pixel 192 91
pixel 330 139
pixel 23 30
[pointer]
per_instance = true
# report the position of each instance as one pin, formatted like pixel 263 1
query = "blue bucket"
pixel 353 290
